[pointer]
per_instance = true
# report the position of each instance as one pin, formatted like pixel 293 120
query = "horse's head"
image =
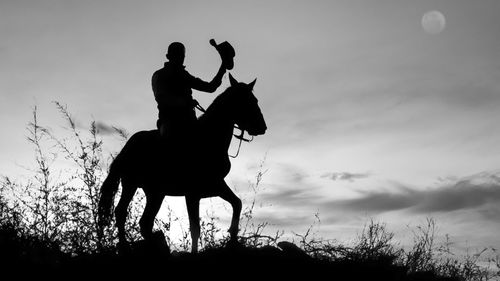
pixel 246 111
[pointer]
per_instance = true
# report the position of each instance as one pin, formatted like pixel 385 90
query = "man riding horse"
pixel 172 88
pixel 142 162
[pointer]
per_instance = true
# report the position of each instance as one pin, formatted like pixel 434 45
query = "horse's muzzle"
pixel 257 132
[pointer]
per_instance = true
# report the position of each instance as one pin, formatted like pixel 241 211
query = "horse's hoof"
pixel 156 244
pixel 124 248
pixel 158 238
pixel 234 244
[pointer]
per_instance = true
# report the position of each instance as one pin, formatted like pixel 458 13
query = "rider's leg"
pixel 164 127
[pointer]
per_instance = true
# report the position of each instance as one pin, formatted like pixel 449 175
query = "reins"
pixel 240 136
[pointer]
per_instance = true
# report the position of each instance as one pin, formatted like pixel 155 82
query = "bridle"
pixel 240 136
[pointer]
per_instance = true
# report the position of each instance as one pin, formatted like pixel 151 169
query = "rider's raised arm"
pixel 210 87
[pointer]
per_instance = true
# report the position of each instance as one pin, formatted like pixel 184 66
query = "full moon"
pixel 433 22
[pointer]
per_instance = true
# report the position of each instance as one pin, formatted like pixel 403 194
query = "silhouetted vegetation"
pixel 48 224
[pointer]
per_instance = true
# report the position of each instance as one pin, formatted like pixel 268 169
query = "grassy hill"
pixel 27 256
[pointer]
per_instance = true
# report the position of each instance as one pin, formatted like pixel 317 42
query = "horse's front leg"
pixel 153 205
pixel 193 208
pixel 228 195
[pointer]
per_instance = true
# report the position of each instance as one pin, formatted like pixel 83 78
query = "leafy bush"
pixel 61 205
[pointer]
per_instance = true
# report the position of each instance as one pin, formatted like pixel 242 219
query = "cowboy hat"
pixel 226 52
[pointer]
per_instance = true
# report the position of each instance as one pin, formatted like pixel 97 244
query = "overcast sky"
pixel 368 114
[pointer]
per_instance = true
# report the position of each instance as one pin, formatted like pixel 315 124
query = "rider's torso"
pixel 172 90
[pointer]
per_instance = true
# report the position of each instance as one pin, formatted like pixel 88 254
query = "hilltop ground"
pixel 154 260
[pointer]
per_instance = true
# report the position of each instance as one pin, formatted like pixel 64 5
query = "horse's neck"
pixel 219 130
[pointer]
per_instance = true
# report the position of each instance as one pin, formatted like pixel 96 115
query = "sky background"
pixel 369 116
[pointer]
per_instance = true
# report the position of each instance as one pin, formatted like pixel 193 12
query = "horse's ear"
pixel 252 84
pixel 232 81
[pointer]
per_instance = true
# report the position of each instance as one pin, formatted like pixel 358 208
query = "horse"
pixel 146 162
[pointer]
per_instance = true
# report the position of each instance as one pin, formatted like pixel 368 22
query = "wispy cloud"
pixel 105 129
pixel 292 198
pixel 345 176
pixel 478 191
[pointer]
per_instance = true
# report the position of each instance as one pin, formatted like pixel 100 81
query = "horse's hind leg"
pixel 228 195
pixel 153 204
pixel 128 191
pixel 193 207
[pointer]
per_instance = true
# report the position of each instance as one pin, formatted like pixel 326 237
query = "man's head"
pixel 176 53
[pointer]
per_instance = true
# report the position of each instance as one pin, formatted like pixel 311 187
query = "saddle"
pixel 179 147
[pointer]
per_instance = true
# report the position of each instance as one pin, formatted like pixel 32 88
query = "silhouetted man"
pixel 172 87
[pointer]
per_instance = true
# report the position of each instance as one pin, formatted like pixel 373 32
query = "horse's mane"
pixel 218 101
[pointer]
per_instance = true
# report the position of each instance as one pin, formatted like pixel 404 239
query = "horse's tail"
pixel 108 191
